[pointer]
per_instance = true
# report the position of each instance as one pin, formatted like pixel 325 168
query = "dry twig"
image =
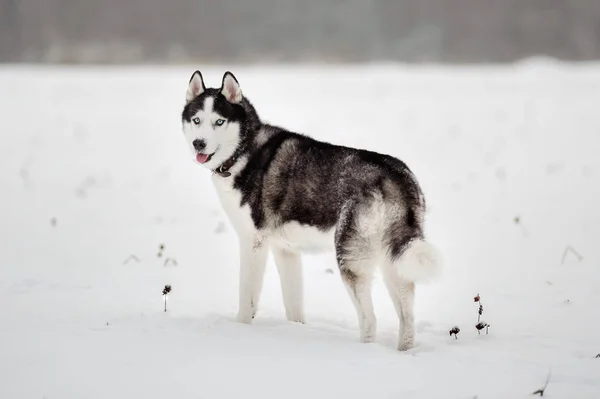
pixel 170 261
pixel 131 257
pixel 542 390
pixel 480 324
pixel 572 250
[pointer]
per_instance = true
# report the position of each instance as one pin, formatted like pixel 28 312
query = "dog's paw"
pixel 245 317
pixel 405 345
pixel 296 317
pixel 368 334
pixel 368 339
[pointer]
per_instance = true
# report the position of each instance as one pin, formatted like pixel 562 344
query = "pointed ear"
pixel 230 88
pixel 196 87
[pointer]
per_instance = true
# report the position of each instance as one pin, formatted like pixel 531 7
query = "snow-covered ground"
pixel 93 169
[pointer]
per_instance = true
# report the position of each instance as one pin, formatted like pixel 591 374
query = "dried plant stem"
pixel 170 261
pixel 542 390
pixel 566 252
pixel 455 330
pixel 131 257
pixel 165 292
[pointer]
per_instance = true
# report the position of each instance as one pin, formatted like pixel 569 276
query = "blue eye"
pixel 220 122
pixel 196 121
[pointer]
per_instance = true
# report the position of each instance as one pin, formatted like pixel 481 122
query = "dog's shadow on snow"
pixel 343 331
pixel 340 332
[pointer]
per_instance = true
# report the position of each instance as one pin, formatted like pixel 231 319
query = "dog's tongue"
pixel 201 157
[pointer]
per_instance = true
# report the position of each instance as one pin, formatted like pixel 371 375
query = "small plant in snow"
pixel 543 389
pixel 570 249
pixel 165 292
pixel 480 324
pixel 480 311
pixel 170 261
pixel 130 258
pixel 454 331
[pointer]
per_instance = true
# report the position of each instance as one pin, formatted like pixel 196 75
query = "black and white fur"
pixel 288 193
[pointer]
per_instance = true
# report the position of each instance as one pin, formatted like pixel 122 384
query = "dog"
pixel 289 194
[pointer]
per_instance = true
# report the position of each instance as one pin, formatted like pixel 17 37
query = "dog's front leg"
pixel 253 259
pixel 289 265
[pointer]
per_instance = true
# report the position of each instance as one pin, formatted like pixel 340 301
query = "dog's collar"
pixel 223 170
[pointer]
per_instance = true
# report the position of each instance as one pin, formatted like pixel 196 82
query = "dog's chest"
pixel 230 198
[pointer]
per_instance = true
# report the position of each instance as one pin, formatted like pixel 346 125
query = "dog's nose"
pixel 199 144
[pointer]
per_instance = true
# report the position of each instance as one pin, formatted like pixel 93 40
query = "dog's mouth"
pixel 204 158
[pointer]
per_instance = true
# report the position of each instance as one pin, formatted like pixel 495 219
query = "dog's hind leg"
pixel 416 260
pixel 289 266
pixel 402 293
pixel 356 265
pixel 253 260
pixel 357 278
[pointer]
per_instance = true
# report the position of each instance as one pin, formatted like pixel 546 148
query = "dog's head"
pixel 212 119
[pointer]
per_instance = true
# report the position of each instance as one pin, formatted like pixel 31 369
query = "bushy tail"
pixel 420 262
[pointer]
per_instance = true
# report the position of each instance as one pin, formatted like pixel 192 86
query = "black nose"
pixel 199 144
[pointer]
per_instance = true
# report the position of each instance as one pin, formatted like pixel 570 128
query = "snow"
pixel 507 157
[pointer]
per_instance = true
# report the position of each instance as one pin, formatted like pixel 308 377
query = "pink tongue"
pixel 201 157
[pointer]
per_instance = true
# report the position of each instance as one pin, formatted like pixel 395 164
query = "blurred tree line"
pixel 208 31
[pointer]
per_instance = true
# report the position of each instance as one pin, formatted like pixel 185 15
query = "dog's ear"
pixel 230 88
pixel 196 87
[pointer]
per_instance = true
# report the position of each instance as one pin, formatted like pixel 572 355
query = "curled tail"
pixel 421 261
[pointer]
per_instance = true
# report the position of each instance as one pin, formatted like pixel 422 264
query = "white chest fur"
pixel 230 201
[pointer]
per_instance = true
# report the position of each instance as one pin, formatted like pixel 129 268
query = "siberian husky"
pixel 287 193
